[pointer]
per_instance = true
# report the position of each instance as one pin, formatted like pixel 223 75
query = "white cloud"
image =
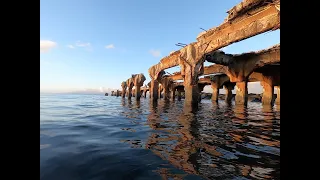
pixel 46 45
pixel 110 46
pixel 155 53
pixel 70 46
pixel 81 44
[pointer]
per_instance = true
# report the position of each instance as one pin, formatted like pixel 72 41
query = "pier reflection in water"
pixel 216 141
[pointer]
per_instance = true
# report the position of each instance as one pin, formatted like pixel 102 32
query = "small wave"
pixel 43 146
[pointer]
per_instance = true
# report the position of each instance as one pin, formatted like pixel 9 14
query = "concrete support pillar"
pixel 241 93
pixel 137 92
pixel 173 94
pixel 268 91
pixel 201 87
pixel 191 66
pixel 278 95
pixel 179 95
pixel 145 93
pixel 159 91
pixel 228 88
pixel 124 89
pixel 215 92
pixel 129 83
pixel 123 94
pixel 166 92
pixel 154 89
pixel 130 92
pixel 191 94
pixel 133 92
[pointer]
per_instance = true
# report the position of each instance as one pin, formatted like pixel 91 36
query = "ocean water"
pixel 95 137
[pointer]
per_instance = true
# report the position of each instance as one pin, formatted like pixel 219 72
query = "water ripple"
pixel 99 137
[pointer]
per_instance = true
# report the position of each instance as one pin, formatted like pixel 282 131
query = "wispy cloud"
pixel 82 44
pixel 70 46
pixel 86 45
pixel 155 53
pixel 46 45
pixel 110 46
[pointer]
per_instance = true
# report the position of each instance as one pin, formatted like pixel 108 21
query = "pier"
pixel 229 71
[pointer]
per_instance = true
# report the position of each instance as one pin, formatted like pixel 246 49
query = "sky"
pixel 94 45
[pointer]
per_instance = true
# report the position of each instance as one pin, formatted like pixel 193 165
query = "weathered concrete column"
pixel 191 65
pixel 200 88
pixel 217 81
pixel 138 92
pixel 124 89
pixel 138 80
pixel 179 95
pixel 278 95
pixel 228 88
pixel 130 92
pixel 268 91
pixel 130 86
pixel 215 91
pixel 159 91
pixel 165 84
pixel 154 89
pixel 173 94
pixel 241 93
pixel 191 94
pixel 145 93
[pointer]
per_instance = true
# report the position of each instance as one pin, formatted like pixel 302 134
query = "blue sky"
pixel 96 44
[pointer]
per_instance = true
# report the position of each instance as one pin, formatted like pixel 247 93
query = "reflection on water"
pixel 115 138
pixel 217 140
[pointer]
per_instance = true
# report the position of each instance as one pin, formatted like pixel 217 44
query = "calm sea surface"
pixel 84 137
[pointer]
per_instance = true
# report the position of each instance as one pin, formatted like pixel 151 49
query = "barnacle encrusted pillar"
pixel 191 64
pixel 228 88
pixel 124 89
pixel 241 93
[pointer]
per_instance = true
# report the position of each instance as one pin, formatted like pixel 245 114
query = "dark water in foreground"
pixel 86 137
